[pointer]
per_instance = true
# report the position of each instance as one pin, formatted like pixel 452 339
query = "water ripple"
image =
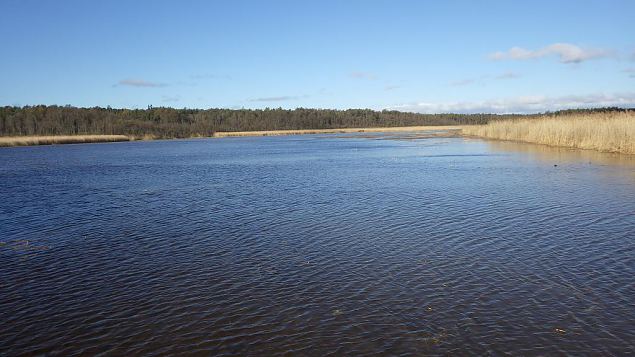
pixel 314 246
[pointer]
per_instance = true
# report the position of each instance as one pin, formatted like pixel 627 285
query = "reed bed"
pixel 61 139
pixel 607 132
pixel 223 134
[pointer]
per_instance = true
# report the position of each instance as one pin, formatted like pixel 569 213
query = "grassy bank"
pixel 607 132
pixel 61 139
pixel 333 131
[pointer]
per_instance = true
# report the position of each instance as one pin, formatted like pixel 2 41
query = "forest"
pixel 165 122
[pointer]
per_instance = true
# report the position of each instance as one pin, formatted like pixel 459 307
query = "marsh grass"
pixel 607 132
pixel 65 139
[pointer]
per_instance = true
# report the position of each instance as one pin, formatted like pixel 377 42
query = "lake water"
pixel 316 245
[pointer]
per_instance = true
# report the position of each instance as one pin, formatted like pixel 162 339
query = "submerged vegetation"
pixel 611 131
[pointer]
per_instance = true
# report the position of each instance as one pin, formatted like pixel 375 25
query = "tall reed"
pixel 62 139
pixel 608 132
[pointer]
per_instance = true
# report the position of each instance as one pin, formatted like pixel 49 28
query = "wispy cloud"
pixel 463 82
pixel 282 98
pixel 362 75
pixel 566 52
pixel 630 72
pixel 140 83
pixel 485 78
pixel 199 76
pixel 507 75
pixel 168 99
pixel 390 87
pixel 524 104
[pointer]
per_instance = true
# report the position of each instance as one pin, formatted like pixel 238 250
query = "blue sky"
pixel 425 56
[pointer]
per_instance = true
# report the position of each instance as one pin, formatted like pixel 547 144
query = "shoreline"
pixel 32 140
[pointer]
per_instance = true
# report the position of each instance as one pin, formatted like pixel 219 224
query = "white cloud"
pixel 524 104
pixel 566 52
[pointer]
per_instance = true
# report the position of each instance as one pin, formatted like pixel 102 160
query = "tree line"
pixel 165 122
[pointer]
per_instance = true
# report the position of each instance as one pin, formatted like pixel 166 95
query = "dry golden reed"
pixel 61 139
pixel 608 132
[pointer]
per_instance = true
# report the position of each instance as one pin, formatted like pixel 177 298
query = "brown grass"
pixel 222 134
pixel 607 132
pixel 67 139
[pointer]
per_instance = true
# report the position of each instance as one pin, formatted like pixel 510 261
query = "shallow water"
pixel 316 245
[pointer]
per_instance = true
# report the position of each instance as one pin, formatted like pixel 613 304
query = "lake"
pixel 316 245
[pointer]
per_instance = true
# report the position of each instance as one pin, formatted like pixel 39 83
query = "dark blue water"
pixel 316 245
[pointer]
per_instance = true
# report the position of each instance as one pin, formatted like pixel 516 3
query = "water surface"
pixel 316 245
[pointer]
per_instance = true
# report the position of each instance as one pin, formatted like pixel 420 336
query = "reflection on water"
pixel 316 245
pixel 556 155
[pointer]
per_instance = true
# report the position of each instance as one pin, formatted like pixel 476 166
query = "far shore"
pixel 602 131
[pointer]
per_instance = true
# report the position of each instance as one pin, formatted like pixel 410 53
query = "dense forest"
pixel 179 123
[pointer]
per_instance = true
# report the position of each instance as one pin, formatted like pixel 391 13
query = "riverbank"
pixel 605 132
pixel 61 139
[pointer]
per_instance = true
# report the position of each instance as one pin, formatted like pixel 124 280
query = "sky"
pixel 416 56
